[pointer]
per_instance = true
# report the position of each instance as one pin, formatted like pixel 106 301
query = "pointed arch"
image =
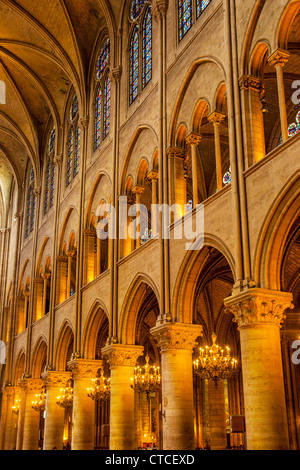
pixel 63 347
pixel 97 320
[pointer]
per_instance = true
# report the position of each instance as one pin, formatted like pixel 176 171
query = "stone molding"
pixel 193 139
pixel 84 368
pixel 122 355
pixel 159 8
pixel 176 335
pixel 259 306
pixel 56 379
pixel 279 57
pixel 32 385
pixel 216 117
pixel 249 82
pixel 175 152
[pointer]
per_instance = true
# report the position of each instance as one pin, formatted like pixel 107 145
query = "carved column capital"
pixel 89 233
pixel 193 139
pixel 279 57
pixel 116 73
pixel 249 82
pixel 216 117
pixel 159 8
pixel 176 335
pixel 259 306
pixel 122 355
pixel 84 368
pixel 31 385
pixel 175 152
pixel 83 123
pixel 153 175
pixel 56 379
pixel 58 160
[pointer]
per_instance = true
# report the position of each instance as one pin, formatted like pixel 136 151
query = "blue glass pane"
pixel 77 151
pixel 136 8
pixel 52 140
pixel 147 48
pixel 47 185
pixel 103 60
pixel 74 108
pixel 70 156
pixel 98 107
pixel 106 108
pixel 185 15
pixel 201 6
pixel 134 65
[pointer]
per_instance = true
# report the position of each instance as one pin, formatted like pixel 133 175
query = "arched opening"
pixel 140 318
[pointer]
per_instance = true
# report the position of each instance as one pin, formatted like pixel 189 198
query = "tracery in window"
pixel 31 203
pixel 73 160
pixel 293 128
pixel 50 173
pixel 103 96
pixel 201 6
pixel 140 56
pixel 185 16
pixel 147 47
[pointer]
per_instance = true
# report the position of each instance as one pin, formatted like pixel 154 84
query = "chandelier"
pixel 214 363
pixel 39 404
pixel 65 400
pixel 16 408
pixel 101 389
pixel 146 380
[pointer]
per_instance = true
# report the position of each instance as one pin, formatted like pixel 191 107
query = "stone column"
pixel 194 140
pixel 177 185
pixel 153 177
pixel 254 88
pixel 83 371
pixel 216 119
pixel 259 314
pixel 122 360
pixel 138 191
pixel 9 400
pixel 55 416
pixel 89 261
pixel 61 287
pixel 217 416
pixel 20 434
pixel 278 60
pixel 177 341
pixel 15 420
pixel 38 299
pixel 70 255
pixel 46 277
pixel 31 417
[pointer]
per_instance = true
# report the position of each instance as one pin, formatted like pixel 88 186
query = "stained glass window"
pixel 106 107
pixel 50 173
pixel 293 128
pixel 136 8
pixel 74 108
pixel 201 6
pixel 185 15
pixel 73 143
pixel 134 65
pixel 98 108
pixel 103 60
pixel 31 203
pixel 76 151
pixel 103 96
pixel 227 177
pixel 147 47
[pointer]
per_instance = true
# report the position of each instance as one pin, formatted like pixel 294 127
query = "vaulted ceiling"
pixel 46 47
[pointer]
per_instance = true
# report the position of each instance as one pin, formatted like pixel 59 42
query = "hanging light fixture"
pixel 101 388
pixel 147 379
pixel 65 400
pixel 16 408
pixel 215 363
pixel 39 404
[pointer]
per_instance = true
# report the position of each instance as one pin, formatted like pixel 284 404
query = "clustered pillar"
pixel 177 342
pixel 259 314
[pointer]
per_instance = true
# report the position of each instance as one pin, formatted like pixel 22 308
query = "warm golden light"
pixel 65 400
pixel 214 363
pixel 40 403
pixel 101 389
pixel 146 380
